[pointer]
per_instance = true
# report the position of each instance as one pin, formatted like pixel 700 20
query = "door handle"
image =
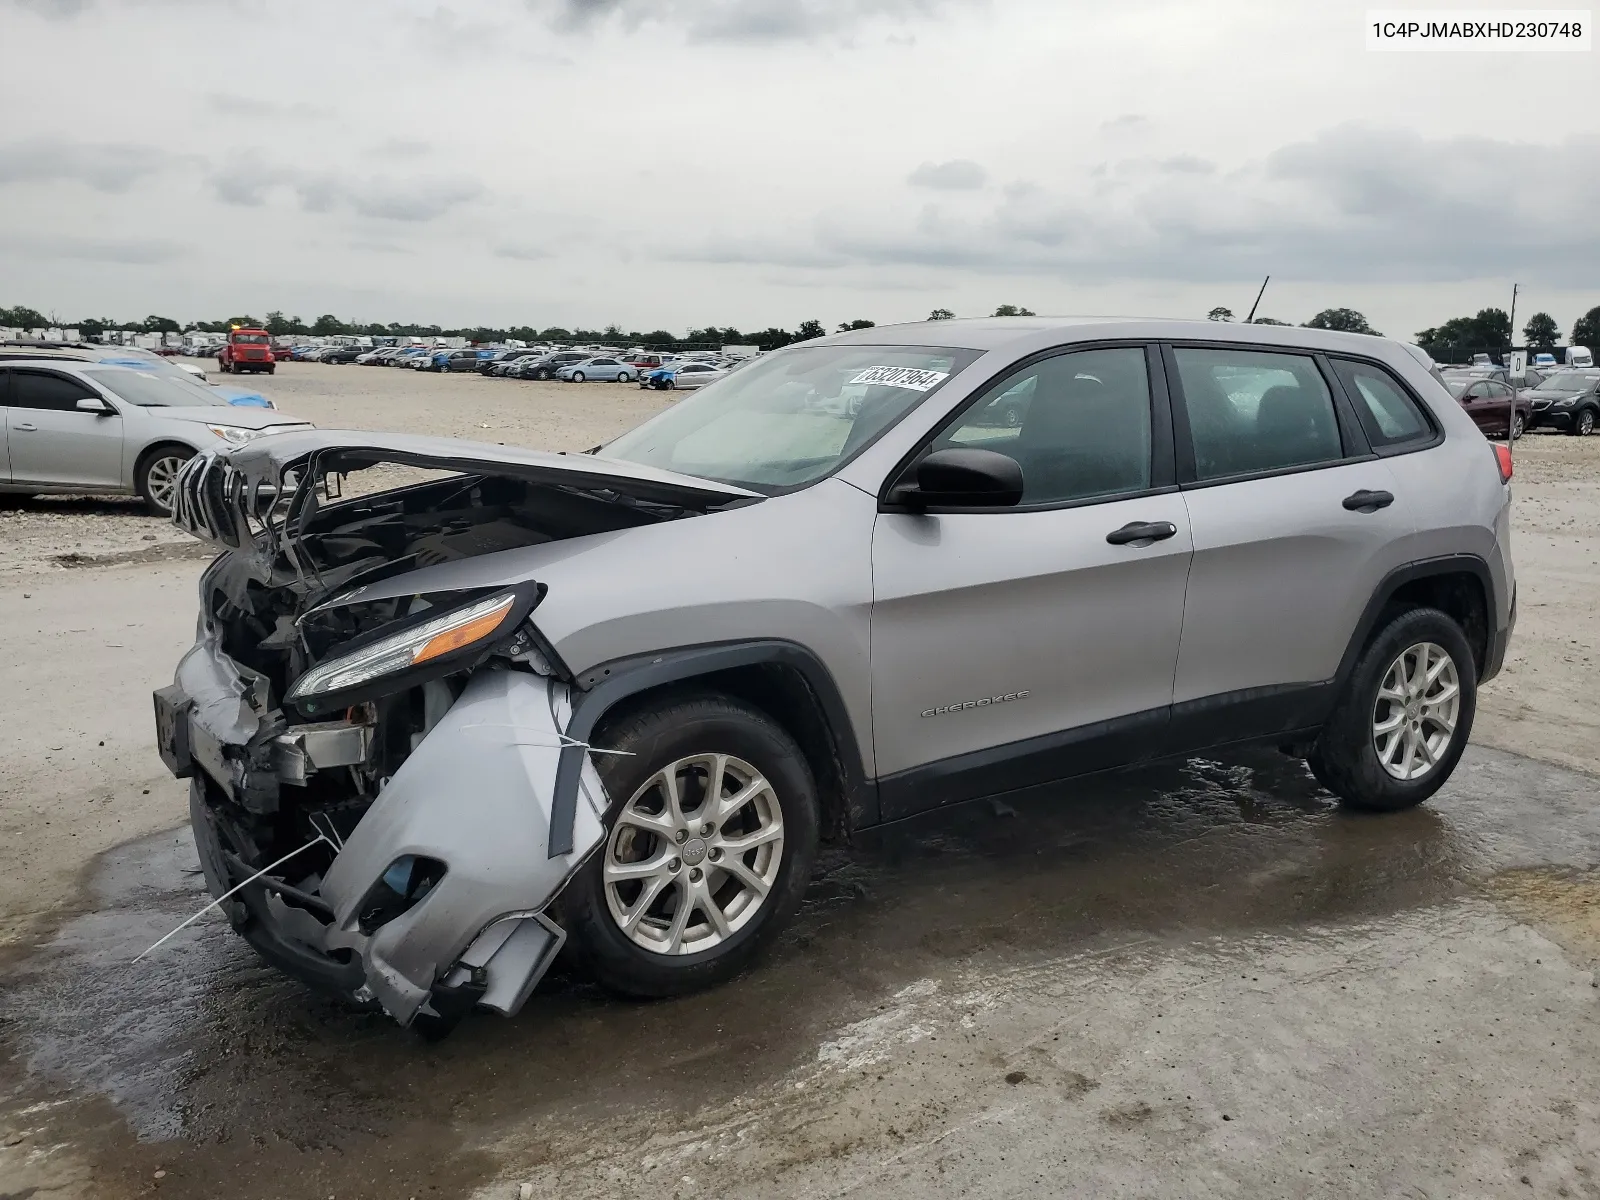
pixel 27 428
pixel 1365 501
pixel 1142 531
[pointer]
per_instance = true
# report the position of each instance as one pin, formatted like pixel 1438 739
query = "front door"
pixel 1295 524
pixel 1020 645
pixel 51 443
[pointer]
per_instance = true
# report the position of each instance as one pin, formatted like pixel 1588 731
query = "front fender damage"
pixel 477 796
pixel 474 800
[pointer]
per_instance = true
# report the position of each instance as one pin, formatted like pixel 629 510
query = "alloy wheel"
pixel 1585 423
pixel 1415 714
pixel 694 854
pixel 161 477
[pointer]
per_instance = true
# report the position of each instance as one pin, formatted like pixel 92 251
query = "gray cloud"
pixel 122 251
pixel 250 185
pixel 231 105
pixel 743 20
pixel 55 9
pixel 106 168
pixel 521 253
pixel 1352 203
pixel 959 174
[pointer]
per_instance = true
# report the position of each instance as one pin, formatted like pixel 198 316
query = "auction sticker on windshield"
pixel 902 377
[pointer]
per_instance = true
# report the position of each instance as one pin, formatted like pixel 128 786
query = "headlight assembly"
pixel 234 435
pixel 459 629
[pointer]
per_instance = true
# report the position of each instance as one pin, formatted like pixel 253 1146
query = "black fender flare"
pixel 1448 564
pixel 600 688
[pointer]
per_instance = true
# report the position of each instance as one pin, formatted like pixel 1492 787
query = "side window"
pixel 1388 414
pixel 37 389
pixel 1256 410
pixel 1078 423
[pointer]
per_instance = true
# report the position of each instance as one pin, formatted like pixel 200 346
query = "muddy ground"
pixel 1196 980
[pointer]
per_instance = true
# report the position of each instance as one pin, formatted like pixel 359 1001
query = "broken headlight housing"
pixel 436 644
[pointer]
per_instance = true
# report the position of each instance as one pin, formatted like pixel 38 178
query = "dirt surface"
pixel 1195 980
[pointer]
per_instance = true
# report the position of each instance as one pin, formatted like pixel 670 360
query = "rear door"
pixel 50 442
pixel 1296 520
pixel 1015 646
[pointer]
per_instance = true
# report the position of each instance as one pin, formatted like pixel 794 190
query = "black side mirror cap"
pixel 962 477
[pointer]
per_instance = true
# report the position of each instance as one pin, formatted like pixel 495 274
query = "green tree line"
pixel 1489 329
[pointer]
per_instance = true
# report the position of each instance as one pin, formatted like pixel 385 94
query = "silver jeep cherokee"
pixel 618 697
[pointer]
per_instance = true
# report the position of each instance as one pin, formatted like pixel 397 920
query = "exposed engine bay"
pixel 327 724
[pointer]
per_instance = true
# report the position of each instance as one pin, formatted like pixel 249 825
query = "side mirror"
pixel 98 407
pixel 961 477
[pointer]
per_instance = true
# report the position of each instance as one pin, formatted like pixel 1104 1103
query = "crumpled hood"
pixel 269 501
pixel 353 450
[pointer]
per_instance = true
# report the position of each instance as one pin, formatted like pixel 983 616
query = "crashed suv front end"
pixel 384 790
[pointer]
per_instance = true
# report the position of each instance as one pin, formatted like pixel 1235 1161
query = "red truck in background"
pixel 246 350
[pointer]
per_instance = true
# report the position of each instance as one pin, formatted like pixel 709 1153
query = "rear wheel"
pixel 710 839
pixel 156 475
pixel 1404 718
pixel 1519 426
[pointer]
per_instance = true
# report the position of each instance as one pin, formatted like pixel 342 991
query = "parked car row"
pixel 580 365
pixel 1560 398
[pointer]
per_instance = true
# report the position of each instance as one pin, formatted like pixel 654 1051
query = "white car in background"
pixel 73 426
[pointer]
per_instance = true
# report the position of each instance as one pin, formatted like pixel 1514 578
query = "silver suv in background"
pixel 617 698
pixel 85 427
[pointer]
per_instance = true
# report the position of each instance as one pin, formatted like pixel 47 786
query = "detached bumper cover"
pixel 476 795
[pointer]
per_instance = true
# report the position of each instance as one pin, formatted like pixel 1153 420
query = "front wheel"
pixel 1583 423
pixel 577 377
pixel 710 839
pixel 156 476
pixel 1405 715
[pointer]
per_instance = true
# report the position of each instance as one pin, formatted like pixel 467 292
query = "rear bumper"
pixel 1499 643
pixel 476 795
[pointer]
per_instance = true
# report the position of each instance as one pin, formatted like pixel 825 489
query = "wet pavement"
pixel 1191 980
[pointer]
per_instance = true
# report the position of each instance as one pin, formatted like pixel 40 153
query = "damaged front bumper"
pixel 483 798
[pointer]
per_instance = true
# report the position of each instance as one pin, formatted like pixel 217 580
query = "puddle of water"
pixel 203 1046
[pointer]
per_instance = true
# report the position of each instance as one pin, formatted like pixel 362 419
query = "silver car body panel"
pixel 476 795
pixel 71 451
pixel 946 636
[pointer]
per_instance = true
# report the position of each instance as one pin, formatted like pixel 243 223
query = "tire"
pixel 1519 426
pixel 1582 423
pixel 577 377
pixel 1345 758
pixel 624 377
pixel 669 385
pixel 595 907
pixel 272 370
pixel 154 474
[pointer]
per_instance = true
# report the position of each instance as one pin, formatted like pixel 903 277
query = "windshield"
pixel 152 391
pixel 251 339
pixel 791 418
pixel 1568 383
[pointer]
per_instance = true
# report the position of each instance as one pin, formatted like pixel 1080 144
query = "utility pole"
pixel 1259 294
pixel 1513 335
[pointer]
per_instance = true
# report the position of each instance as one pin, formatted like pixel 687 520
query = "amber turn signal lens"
pixel 464 635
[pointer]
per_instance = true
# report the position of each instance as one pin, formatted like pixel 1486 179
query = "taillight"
pixel 1502 458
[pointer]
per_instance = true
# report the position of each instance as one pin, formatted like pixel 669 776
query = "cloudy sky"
pixel 667 163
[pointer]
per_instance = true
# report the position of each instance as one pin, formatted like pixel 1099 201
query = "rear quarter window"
pixel 1385 409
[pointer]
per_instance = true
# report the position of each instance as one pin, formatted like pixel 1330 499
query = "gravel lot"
pixel 1049 1003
